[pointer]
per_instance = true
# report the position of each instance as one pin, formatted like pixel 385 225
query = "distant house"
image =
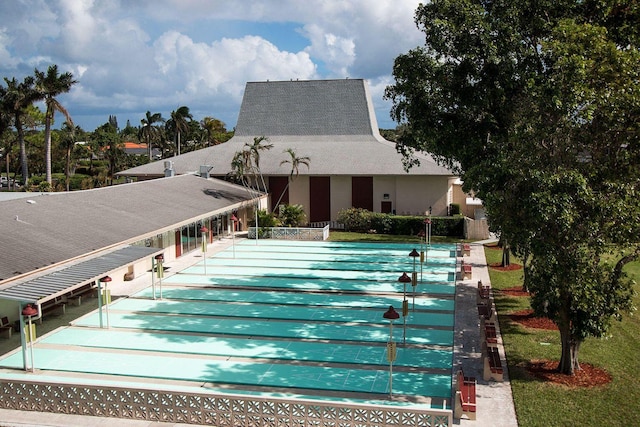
pixel 333 123
pixel 140 149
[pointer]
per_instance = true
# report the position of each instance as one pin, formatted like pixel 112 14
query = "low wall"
pixel 226 410
pixel 290 233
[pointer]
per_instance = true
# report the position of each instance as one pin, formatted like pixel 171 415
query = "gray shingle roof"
pixel 53 228
pixel 309 107
pixel 330 121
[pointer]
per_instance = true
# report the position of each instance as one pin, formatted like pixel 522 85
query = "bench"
pixel 5 328
pixel 75 296
pixel 465 270
pixel 488 336
pixel 55 307
pixel 466 249
pixel 492 365
pixel 486 311
pixel 483 290
pixel 465 403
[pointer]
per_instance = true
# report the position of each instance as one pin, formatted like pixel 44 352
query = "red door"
pixel 320 199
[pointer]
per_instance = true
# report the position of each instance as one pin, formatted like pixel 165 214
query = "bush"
pixel 362 220
pixel 355 219
pixel 292 215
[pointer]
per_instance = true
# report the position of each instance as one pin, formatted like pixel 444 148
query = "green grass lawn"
pixel 345 236
pixel 543 404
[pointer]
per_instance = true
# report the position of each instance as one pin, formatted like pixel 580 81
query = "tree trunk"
pixel 47 148
pixel 23 154
pixel 570 347
pixel 67 168
pixel 281 195
pixel 506 254
pixel 525 286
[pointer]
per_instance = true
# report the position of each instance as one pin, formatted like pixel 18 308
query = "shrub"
pixel 355 219
pixel 292 215
pixel 362 220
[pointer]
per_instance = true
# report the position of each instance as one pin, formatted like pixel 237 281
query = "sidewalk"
pixel 494 399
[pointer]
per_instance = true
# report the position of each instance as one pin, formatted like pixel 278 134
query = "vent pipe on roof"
pixel 168 168
pixel 204 171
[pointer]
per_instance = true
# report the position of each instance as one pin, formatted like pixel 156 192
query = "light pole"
pixel 233 233
pixel 107 297
pixel 204 230
pixel 160 271
pixel 404 279
pixel 414 276
pixel 422 236
pixel 30 311
pixel 391 314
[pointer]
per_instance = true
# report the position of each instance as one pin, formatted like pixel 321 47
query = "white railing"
pixel 221 410
pixel 290 233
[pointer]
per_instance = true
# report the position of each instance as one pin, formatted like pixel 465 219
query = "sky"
pixel 134 56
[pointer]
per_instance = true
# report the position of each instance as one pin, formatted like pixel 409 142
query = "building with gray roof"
pixel 45 233
pixel 332 122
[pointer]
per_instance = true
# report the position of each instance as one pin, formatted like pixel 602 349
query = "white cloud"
pixel 338 53
pixel 130 57
pixel 223 67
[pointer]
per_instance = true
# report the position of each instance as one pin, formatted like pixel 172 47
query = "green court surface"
pixel 296 317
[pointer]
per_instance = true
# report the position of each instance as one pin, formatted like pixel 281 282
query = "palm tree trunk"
pixel 47 147
pixel 23 154
pixel 67 166
pixel 275 208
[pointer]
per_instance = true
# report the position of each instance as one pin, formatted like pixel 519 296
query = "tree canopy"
pixel 537 106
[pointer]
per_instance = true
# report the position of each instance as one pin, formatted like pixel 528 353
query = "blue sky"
pixel 133 56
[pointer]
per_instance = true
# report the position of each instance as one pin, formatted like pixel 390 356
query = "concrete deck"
pixel 494 400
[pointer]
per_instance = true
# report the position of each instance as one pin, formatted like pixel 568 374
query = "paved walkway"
pixel 494 399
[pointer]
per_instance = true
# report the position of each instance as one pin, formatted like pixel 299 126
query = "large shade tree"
pixel 50 85
pixel 537 106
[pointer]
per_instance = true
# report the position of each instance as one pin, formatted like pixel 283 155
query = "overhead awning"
pixel 65 280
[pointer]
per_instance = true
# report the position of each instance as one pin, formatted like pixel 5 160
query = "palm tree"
pixel 253 158
pixel 148 131
pixel 238 172
pixel 19 97
pixel 68 142
pixel 51 85
pixel 213 128
pixel 5 124
pixel 178 124
pixel 295 163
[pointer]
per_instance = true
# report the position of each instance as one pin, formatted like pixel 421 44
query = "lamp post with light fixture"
pixel 29 310
pixel 404 279
pixel 234 219
pixel 204 230
pixel 414 276
pixel 160 271
pixel 107 298
pixel 391 314
pixel 422 236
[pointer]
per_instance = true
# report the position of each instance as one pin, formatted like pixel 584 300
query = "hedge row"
pixel 362 220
